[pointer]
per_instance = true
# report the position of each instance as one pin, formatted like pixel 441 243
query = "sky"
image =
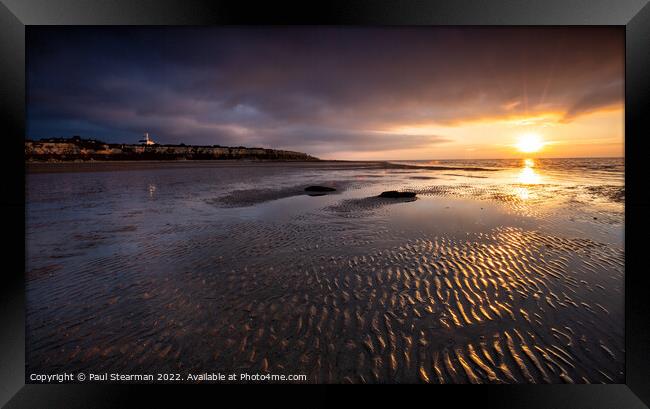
pixel 361 93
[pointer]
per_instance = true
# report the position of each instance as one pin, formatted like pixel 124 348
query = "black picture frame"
pixel 15 15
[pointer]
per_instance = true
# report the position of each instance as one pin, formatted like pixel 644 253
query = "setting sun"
pixel 529 143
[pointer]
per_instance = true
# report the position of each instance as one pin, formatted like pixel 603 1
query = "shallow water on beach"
pixel 499 271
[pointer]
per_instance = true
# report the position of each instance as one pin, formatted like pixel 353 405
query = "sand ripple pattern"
pixel 505 307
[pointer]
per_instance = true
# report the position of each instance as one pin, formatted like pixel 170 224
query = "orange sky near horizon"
pixel 595 134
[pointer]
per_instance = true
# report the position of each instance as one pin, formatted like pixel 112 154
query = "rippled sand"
pixel 493 276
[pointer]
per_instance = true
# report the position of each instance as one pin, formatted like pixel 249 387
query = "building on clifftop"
pixel 146 140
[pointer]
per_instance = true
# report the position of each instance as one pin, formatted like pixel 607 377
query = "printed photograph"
pixel 325 204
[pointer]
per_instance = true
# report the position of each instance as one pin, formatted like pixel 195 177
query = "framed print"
pixel 422 193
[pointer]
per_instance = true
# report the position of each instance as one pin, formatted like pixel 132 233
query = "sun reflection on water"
pixel 527 176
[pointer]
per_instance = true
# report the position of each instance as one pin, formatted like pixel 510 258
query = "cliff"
pixel 90 149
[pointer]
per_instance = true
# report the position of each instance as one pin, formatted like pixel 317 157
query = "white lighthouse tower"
pixel 146 140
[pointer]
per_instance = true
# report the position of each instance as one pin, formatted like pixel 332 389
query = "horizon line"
pixel 521 158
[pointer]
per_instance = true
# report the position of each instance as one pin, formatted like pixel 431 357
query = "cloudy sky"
pixel 334 92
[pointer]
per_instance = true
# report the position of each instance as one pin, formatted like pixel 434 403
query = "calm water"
pixel 500 271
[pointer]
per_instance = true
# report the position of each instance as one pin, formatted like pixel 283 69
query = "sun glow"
pixel 529 143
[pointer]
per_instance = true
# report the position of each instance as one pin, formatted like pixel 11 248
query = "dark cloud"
pixel 598 97
pixel 310 88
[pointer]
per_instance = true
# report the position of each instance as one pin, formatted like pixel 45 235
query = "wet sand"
pixel 112 166
pixel 513 275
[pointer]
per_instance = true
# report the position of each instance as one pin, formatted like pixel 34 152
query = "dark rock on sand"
pixel 319 189
pixel 394 194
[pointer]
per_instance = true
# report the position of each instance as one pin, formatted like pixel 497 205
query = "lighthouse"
pixel 146 140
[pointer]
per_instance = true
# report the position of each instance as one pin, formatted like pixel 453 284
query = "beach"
pixel 499 271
